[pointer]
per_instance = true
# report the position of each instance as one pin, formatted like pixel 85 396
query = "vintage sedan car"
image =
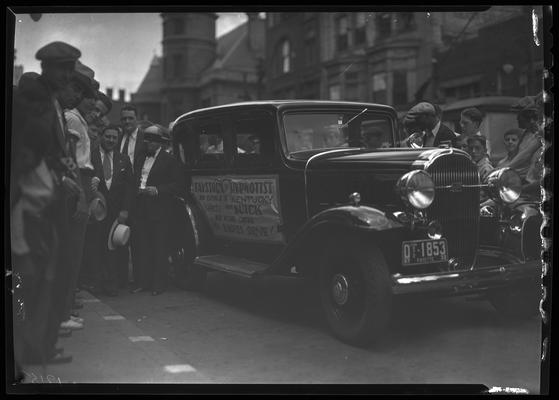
pixel 288 188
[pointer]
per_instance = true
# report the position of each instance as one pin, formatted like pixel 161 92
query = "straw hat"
pixel 118 235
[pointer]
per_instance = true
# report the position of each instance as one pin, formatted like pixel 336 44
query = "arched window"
pixel 285 56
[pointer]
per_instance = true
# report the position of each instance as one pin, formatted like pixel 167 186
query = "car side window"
pixel 253 136
pixel 201 143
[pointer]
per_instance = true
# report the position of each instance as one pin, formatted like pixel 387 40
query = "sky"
pixel 118 47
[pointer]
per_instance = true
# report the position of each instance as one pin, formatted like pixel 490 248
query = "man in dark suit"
pixel 115 181
pixel 423 123
pixel 158 184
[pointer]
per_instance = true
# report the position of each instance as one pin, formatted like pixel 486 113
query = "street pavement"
pixel 271 331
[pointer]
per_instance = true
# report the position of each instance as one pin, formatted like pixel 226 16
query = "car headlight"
pixel 417 188
pixel 504 184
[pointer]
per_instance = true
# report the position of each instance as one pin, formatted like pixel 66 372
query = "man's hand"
pixel 415 140
pixel 149 191
pixel 95 183
pixel 122 216
pixel 71 186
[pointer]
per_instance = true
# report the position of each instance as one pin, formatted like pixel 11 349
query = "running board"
pixel 232 265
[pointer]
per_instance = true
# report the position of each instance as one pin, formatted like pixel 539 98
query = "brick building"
pixel 399 58
pixel 199 70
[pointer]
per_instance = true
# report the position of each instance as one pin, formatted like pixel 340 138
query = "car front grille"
pixel 456 206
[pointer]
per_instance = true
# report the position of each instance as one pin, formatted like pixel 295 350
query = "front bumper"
pixel 473 280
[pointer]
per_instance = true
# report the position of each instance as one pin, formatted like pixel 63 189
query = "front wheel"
pixel 355 291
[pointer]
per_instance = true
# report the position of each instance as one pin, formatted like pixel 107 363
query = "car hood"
pixel 382 158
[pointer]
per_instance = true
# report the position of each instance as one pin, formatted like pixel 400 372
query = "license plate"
pixel 426 251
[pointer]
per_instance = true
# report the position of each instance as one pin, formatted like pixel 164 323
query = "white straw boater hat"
pixel 118 235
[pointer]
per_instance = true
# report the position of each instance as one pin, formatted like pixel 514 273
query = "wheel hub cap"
pixel 340 289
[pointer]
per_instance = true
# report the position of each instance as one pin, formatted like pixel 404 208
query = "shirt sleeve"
pixel 73 125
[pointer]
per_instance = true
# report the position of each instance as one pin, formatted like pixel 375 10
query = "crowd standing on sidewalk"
pixel 80 189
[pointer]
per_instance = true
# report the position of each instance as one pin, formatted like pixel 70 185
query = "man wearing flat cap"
pixel 423 123
pixel 529 114
pixel 158 184
pixel 44 182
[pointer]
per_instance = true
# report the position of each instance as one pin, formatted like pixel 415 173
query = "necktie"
pixel 107 170
pixel 126 142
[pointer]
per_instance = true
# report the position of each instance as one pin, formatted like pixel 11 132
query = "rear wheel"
pixel 355 291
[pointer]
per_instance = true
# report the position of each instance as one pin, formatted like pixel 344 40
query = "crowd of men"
pixel 523 143
pixel 84 194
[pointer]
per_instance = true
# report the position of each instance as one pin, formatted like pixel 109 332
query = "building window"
pixel 341 33
pixel 310 46
pixel 334 92
pixel 178 26
pixel 379 88
pixel 285 56
pixel 399 87
pixel 177 66
pixel 405 22
pixel 384 24
pixel 360 28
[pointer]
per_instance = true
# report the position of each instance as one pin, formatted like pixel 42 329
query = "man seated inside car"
pixel 372 137
pixel 250 146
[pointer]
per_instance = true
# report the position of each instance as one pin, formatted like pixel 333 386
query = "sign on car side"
pixel 241 207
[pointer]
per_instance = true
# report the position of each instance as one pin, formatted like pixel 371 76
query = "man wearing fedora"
pixel 44 185
pixel 423 123
pixel 159 182
pixel 115 181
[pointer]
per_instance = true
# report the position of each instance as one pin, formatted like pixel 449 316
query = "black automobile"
pixel 289 188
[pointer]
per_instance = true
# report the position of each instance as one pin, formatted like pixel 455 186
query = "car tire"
pixel 516 302
pixel 355 291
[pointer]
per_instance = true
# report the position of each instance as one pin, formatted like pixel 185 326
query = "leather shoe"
pixel 138 290
pixel 64 333
pixel 77 319
pixel 71 324
pixel 156 292
pixel 77 306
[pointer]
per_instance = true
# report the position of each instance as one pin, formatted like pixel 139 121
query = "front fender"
pixel 349 218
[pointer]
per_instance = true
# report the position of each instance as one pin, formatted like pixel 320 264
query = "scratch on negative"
pixel 535 27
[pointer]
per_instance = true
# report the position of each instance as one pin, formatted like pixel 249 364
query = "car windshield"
pixel 309 131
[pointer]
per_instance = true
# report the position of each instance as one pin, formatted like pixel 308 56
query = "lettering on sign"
pixel 241 207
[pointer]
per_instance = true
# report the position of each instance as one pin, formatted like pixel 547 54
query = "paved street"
pixel 270 331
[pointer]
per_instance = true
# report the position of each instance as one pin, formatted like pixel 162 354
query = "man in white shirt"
pixel 115 182
pixel 160 181
pixel 80 147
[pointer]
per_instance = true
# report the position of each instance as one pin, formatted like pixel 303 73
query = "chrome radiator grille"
pixel 455 206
